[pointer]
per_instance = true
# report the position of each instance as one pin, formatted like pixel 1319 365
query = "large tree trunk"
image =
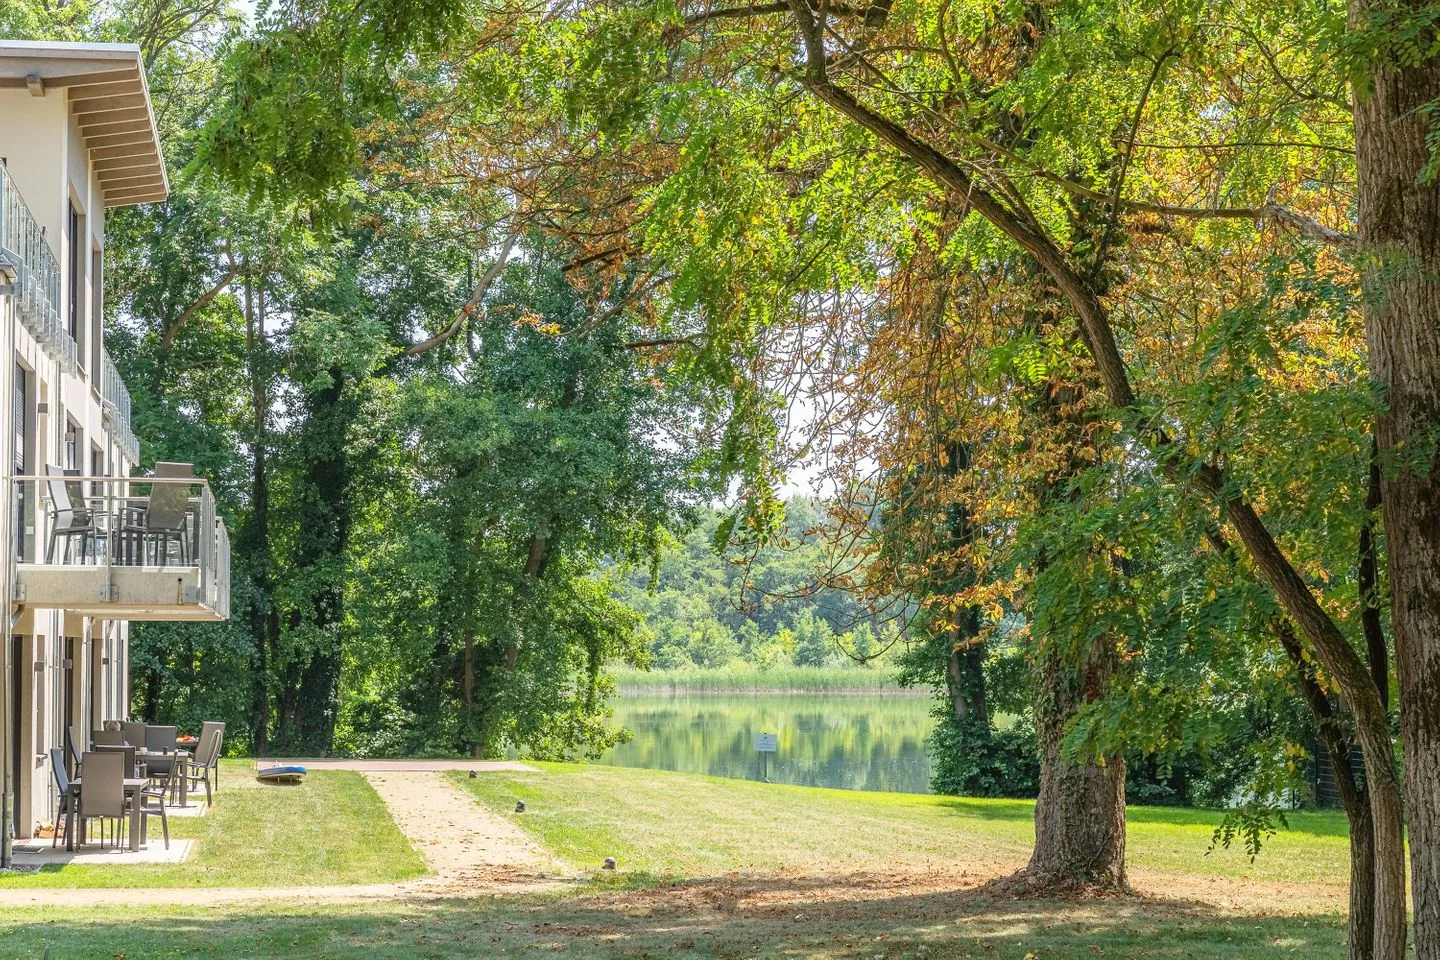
pixel 1399 221
pixel 1337 744
pixel 254 538
pixel 308 725
pixel 1080 813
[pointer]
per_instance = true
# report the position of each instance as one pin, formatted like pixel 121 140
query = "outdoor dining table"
pixel 143 755
pixel 132 793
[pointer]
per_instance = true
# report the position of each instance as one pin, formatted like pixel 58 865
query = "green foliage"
pixel 971 759
pixel 1250 823
pixel 762 677
pixel 711 608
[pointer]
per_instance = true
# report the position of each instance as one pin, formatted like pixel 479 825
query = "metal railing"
pixel 37 275
pixel 156 523
pixel 116 397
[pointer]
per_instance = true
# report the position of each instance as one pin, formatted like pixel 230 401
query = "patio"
pixel 37 853
pixel 120 778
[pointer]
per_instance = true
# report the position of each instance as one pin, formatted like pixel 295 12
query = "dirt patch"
pixel 822 897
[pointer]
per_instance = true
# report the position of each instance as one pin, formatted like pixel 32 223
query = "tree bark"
pixel 1080 813
pixel 309 723
pixel 256 535
pixel 1367 580
pixel 1352 795
pixel 1399 228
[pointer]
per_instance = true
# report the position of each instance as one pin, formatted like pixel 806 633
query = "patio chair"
pixel 218 726
pixel 165 514
pixel 62 787
pixel 161 740
pixel 102 797
pixel 107 738
pixel 206 759
pixel 132 768
pixel 67 520
pixel 134 733
pixel 152 804
pixel 72 748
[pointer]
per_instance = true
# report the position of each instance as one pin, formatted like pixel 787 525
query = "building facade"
pixel 86 549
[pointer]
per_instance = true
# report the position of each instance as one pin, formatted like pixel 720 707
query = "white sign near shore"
pixel 766 742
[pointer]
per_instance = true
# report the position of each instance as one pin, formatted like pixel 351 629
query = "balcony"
pixel 131 548
pixel 26 254
pixel 116 404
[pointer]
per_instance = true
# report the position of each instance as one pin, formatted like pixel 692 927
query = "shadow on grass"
pixel 846 917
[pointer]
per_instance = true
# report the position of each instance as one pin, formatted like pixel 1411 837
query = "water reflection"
pixel 850 742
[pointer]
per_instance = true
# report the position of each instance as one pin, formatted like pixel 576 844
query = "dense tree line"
pixel 766 607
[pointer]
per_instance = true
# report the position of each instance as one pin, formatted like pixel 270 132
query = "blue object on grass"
pixel 287 774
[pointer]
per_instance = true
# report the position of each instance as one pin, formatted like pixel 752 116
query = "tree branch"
pixel 173 328
pixel 470 306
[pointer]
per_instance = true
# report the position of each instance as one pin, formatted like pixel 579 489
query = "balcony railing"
pixel 117 406
pixel 124 548
pixel 26 252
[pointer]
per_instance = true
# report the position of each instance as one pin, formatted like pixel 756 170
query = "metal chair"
pixel 134 733
pixel 62 787
pixel 66 519
pixel 161 740
pixel 72 749
pixel 107 738
pixel 152 804
pixel 206 759
pixel 219 727
pixel 165 513
pixel 102 796
pixel 132 767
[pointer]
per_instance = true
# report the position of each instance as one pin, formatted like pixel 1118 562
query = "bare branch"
pixel 173 328
pixel 470 306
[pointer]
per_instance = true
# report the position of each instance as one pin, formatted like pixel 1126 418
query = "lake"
pixel 853 742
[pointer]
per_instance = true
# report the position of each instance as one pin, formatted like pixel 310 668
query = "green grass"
pixel 675 826
pixel 745 678
pixel 331 829
pixel 748 855
pixel 611 928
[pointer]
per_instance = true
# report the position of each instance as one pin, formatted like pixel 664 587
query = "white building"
pixel 78 138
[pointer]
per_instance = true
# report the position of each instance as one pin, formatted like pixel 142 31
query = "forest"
pixel 1112 329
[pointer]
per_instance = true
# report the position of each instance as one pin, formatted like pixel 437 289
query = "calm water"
pixel 851 742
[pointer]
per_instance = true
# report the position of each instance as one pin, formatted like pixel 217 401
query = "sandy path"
pixel 464 843
pixel 469 850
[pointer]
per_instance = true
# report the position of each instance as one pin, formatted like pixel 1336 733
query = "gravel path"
pixel 465 844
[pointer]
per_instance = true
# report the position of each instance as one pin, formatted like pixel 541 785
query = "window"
pixel 97 469
pixel 97 312
pixel 73 269
pixel 20 416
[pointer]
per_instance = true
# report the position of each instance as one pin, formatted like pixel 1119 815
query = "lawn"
pixel 674 826
pixel 607 927
pixel 331 829
pixel 714 869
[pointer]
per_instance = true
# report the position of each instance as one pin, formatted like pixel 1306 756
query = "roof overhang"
pixel 111 103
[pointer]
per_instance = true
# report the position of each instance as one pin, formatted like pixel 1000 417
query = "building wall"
pixel 60 659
